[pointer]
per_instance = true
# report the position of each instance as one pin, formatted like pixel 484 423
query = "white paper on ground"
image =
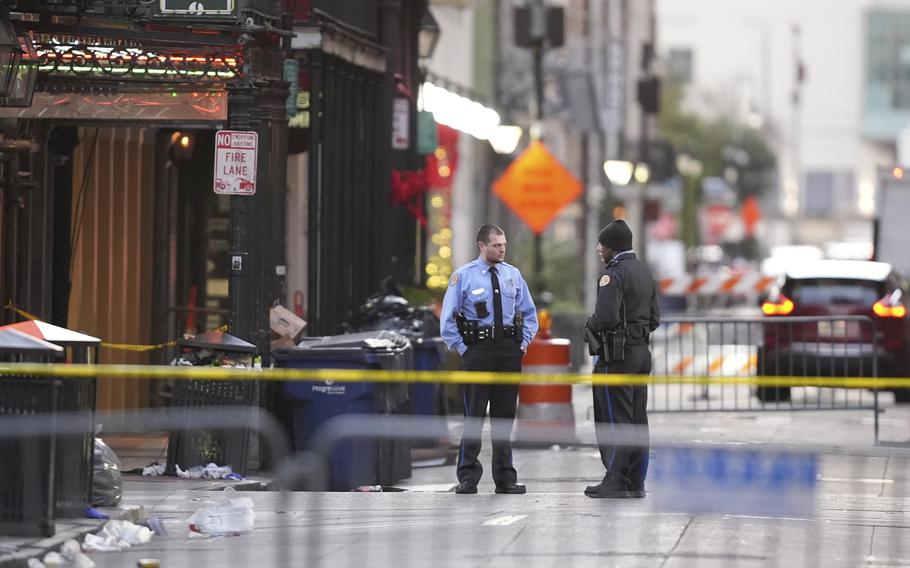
pixel 54 559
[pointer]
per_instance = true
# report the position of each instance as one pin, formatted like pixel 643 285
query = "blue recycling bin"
pixel 356 461
pixel 428 356
pixel 426 398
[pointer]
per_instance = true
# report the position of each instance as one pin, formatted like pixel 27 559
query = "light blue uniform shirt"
pixel 471 284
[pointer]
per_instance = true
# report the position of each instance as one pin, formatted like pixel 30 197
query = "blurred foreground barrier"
pixel 731 504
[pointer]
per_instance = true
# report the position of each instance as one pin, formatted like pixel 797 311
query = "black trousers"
pixel 490 355
pixel 621 412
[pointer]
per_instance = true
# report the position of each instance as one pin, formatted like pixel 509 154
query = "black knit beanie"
pixel 616 236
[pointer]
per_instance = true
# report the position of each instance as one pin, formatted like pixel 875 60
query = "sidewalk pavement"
pixel 862 495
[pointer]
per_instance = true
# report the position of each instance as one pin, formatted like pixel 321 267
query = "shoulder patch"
pixel 453 280
pixel 604 280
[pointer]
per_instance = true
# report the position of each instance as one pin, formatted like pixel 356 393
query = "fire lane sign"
pixel 235 162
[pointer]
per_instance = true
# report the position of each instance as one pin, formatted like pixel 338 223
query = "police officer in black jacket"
pixel 625 315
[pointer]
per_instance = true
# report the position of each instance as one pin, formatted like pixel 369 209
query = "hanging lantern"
pixel 9 53
pixel 21 84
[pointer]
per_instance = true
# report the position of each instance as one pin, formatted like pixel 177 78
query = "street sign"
pixel 401 124
pixel 197 7
pixel 235 162
pixel 536 187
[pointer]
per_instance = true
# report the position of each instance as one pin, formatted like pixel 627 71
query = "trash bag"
pixel 107 483
pixel 387 309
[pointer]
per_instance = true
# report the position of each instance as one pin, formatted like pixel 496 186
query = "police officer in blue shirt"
pixel 488 316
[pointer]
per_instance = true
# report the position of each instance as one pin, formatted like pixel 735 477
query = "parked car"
pixel 857 324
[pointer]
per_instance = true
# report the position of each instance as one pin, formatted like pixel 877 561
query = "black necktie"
pixel 497 304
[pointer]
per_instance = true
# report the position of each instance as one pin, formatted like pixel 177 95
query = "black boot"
pixel 610 488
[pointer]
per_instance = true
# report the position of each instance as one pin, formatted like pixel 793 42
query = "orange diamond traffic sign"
pixel 536 187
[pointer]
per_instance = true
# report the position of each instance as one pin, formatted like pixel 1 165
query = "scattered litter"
pixel 154 470
pixel 210 471
pixel 117 535
pixel 156 524
pixel 227 517
pixel 93 513
pixel 148 563
pixel 132 514
pixel 54 559
pixel 73 553
pixel 429 488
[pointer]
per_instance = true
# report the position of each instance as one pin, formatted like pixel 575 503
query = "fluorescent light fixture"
pixel 458 112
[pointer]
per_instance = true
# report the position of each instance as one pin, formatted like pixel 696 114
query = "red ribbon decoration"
pixel 408 189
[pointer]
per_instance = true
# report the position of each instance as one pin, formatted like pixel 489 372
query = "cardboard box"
pixel 285 323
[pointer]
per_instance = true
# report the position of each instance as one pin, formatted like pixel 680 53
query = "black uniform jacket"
pixel 625 278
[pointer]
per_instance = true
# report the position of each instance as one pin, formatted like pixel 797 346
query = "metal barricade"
pixel 823 348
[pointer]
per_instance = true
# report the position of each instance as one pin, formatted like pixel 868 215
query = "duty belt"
pixel 484 333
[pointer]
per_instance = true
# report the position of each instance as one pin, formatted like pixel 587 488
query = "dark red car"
pixel 856 324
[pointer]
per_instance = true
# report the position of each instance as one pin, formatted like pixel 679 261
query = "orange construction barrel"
pixel 545 413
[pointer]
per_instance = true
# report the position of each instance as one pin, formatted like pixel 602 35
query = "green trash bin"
pixel 193 443
pixel 27 481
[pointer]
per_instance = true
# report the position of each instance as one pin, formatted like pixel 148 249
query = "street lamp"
pixel 505 138
pixel 619 172
pixel 427 35
pixel 642 173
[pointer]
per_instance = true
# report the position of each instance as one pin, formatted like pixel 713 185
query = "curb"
pixel 38 548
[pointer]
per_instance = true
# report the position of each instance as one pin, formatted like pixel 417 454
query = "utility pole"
pixel 649 104
pixel 538 27
pixel 792 189
pixel 538 34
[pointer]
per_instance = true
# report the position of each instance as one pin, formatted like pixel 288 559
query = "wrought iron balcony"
pixel 195 11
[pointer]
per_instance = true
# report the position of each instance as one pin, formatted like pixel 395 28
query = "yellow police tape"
pixel 137 348
pixel 453 377
pixel 21 312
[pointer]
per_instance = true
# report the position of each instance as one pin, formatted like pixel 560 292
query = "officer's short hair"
pixel 483 235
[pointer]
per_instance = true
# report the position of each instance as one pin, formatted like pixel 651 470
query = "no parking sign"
pixel 235 162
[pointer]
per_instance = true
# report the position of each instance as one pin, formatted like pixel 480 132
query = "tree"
pixel 721 147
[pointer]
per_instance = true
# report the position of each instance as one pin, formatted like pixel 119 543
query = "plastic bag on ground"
pixel 154 469
pixel 235 516
pixel 210 471
pixel 107 481
pixel 117 535
pixel 72 551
